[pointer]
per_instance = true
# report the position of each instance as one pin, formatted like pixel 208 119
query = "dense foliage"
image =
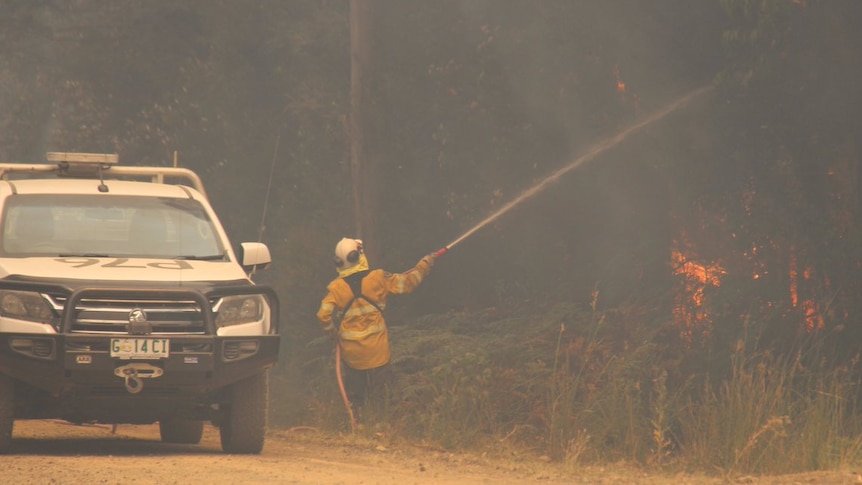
pixel 733 219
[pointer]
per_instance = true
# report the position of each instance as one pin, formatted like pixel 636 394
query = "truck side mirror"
pixel 254 256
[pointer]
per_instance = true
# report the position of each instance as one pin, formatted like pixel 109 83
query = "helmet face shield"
pixel 347 253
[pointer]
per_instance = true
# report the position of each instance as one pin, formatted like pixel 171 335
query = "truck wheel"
pixel 186 431
pixel 243 426
pixel 7 412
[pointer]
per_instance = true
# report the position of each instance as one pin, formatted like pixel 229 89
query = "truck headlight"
pixel 235 310
pixel 25 305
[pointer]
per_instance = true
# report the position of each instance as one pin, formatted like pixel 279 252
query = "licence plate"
pixel 140 348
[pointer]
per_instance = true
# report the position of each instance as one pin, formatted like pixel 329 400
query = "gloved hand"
pixel 331 332
pixel 429 260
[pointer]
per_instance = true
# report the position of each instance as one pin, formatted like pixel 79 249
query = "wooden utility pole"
pixel 359 54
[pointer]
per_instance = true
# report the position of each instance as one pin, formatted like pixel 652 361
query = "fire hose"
pixel 341 386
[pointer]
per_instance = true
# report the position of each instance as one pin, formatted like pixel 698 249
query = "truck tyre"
pixel 185 431
pixel 243 426
pixel 7 412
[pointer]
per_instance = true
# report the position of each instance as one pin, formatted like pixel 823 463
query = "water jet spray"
pixel 594 151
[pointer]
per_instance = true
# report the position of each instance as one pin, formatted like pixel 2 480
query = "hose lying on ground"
pixel 341 387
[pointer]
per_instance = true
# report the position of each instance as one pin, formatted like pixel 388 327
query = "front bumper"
pixel 75 371
pixel 74 365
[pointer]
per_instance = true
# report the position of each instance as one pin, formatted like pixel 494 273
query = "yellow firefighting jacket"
pixel 364 339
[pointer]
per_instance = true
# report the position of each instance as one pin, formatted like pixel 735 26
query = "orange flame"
pixel 794 288
pixel 625 96
pixel 812 318
pixel 621 86
pixel 689 312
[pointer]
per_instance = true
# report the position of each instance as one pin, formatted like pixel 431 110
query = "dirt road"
pixel 45 452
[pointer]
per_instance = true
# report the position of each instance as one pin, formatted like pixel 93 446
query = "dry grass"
pixel 586 388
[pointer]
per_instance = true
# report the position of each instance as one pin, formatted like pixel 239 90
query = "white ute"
pixel 122 301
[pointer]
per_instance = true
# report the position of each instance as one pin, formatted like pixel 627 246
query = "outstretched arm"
pixel 400 283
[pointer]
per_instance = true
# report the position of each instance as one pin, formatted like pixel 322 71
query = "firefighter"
pixel 351 314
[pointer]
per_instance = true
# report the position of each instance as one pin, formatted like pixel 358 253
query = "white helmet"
pixel 347 253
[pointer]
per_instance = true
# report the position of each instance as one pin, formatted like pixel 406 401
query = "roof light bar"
pixel 94 158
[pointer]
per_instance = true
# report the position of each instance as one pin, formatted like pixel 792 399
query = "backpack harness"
pixel 354 281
